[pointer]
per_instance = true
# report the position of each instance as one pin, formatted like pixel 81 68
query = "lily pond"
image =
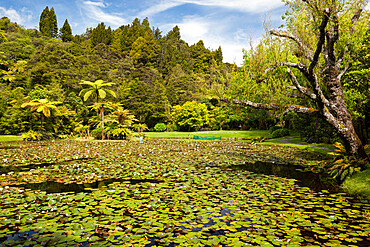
pixel 172 193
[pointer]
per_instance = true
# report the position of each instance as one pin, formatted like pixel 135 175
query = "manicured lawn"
pixel 9 138
pixel 250 134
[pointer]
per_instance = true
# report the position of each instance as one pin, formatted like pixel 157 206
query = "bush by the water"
pixel 160 127
pixel 273 128
pixel 36 136
pixel 280 133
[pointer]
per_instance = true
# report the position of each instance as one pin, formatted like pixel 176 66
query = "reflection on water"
pixel 55 187
pixel 314 181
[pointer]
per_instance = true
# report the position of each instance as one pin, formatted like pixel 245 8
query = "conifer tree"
pixel 66 32
pixel 101 35
pixel 44 23
pixel 53 23
pixel 48 23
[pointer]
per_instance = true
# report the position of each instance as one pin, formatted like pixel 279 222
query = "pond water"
pixel 315 181
pixel 176 193
pixel 55 187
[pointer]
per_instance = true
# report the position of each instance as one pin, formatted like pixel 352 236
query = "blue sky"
pixel 231 24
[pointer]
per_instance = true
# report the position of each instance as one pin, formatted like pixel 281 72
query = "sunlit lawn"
pixel 9 138
pixel 250 134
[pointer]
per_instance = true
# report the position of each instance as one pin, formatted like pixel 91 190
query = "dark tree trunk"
pixel 102 122
pixel 42 122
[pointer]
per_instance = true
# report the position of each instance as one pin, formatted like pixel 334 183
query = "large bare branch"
pixel 306 50
pixel 321 40
pixel 301 89
pixel 299 109
pixel 250 103
pixel 332 38
pixel 311 77
pixel 299 66
pixel 288 108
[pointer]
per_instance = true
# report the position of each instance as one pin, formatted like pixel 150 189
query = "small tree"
pixel 66 32
pixel 43 106
pixel 102 106
pixel 191 115
pixel 120 122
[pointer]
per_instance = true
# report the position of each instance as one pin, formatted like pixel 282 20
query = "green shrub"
pixel 31 136
pixel 36 136
pixel 280 133
pixel 172 127
pixel 96 133
pixel 273 128
pixel 160 127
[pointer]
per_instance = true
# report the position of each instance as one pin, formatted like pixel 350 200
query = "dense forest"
pixel 135 77
pixel 149 73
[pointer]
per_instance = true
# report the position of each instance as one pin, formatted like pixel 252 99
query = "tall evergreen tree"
pixel 44 24
pixel 53 23
pixel 66 32
pixel 101 35
pixel 48 23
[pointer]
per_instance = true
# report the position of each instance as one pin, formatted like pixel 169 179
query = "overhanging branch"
pixel 307 51
pixel 301 89
pixel 321 40
pixel 250 103
pixel 288 108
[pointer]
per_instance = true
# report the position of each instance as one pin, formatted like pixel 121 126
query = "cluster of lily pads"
pixel 168 192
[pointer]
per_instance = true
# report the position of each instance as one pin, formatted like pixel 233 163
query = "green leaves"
pixel 97 87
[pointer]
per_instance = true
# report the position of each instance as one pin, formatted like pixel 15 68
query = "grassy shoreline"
pixel 10 138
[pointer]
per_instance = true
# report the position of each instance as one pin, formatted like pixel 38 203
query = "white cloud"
pixel 255 6
pixel 12 14
pixel 194 28
pixel 158 8
pixel 213 32
pixel 93 10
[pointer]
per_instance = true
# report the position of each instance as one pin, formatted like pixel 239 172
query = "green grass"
pixel 251 134
pixel 358 184
pixel 9 138
pixel 303 145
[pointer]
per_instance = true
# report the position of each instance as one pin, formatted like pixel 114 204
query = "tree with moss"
pixel 319 35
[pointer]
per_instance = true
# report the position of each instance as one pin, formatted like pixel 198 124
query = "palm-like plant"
pixel 102 106
pixel 96 88
pixel 140 127
pixel 123 116
pixel 122 120
pixel 43 106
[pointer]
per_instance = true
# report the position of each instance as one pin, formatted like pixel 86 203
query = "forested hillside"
pixel 151 72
